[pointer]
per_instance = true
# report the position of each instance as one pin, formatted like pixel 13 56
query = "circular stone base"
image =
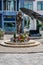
pixel 30 43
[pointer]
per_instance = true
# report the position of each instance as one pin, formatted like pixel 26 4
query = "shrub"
pixel 1 34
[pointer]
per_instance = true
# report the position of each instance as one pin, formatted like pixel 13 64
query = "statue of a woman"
pixel 19 22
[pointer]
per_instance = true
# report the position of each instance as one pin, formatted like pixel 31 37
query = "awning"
pixel 32 14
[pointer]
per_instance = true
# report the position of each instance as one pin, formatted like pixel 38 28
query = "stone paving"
pixel 22 59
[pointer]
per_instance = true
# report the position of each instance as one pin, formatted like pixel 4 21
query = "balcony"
pixel 5 12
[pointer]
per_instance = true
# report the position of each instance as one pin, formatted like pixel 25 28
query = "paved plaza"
pixel 21 56
pixel 21 59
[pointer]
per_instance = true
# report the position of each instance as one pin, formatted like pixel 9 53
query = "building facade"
pixel 8 12
pixel 9 9
pixel 35 5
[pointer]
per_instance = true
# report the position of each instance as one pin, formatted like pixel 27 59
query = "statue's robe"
pixel 19 23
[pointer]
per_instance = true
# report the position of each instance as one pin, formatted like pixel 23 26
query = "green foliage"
pixel 14 35
pixel 38 24
pixel 25 23
pixel 1 33
pixel 9 24
pixel 28 23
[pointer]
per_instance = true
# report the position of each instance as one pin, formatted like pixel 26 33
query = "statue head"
pixel 19 13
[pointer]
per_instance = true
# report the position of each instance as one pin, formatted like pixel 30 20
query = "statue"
pixel 19 20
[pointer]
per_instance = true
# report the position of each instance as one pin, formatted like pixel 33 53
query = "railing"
pixel 10 29
pixel 9 12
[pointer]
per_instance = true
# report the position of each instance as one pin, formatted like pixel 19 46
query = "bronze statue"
pixel 19 22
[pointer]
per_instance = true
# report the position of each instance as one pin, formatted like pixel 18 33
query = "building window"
pixel 0 20
pixel 40 5
pixel 9 24
pixel 28 4
pixel 17 5
pixel 10 5
pixel 0 5
pixel 9 18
